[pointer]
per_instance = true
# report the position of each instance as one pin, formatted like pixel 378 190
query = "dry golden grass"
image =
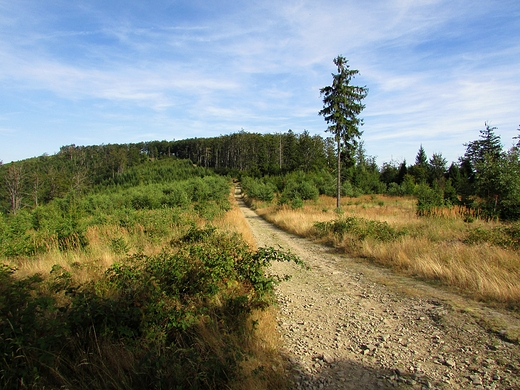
pixel 432 248
pixel 300 221
pixel 234 221
pixel 264 346
pixel 264 343
pixel 108 244
pixel 86 264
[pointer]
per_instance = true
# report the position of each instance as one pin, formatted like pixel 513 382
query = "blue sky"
pixel 99 72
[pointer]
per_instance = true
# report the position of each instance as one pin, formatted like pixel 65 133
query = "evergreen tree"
pixel 437 169
pixel 403 171
pixel 341 108
pixel 517 146
pixel 488 146
pixel 389 172
pixel 421 159
pixel 420 170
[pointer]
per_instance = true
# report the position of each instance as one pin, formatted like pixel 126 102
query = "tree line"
pixel 486 178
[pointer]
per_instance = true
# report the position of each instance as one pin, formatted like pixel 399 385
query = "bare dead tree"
pixel 14 185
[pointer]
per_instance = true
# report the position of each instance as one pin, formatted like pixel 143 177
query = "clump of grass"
pixel 233 221
pixel 298 221
pixel 506 236
pixel 359 228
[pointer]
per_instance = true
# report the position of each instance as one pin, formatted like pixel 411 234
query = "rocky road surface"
pixel 348 325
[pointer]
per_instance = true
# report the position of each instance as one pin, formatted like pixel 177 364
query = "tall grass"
pixel 480 259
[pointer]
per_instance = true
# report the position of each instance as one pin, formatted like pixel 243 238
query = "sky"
pixel 100 72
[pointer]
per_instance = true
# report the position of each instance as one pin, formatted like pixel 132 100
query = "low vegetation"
pixel 478 258
pixel 127 266
pixel 137 286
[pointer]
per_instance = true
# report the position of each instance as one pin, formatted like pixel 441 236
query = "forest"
pixel 485 180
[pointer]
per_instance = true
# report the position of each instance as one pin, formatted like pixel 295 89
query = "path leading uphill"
pixel 347 325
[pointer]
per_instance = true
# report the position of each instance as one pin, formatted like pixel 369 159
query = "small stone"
pixel 449 362
pixel 475 380
pixel 328 358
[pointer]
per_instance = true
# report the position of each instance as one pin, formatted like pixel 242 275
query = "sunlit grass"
pixel 111 243
pixel 233 221
pixel 431 248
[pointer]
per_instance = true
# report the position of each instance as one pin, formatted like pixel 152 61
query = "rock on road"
pixel 348 325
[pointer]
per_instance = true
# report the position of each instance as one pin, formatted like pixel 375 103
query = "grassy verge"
pixel 479 259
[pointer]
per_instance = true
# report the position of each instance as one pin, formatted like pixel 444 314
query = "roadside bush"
pixel 294 190
pixel 178 319
pixel 359 228
pixel 506 236
pixel 258 189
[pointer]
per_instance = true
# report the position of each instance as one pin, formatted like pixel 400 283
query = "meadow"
pixel 476 258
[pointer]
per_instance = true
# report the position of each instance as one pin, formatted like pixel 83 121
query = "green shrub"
pixel 297 192
pixel 174 195
pixel 258 189
pixel 359 228
pixel 394 189
pixel 506 236
pixel 428 199
pixel 143 323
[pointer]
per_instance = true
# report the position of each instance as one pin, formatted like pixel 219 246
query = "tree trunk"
pixel 14 184
pixel 338 183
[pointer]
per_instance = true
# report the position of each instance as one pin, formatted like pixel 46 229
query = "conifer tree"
pixel 341 108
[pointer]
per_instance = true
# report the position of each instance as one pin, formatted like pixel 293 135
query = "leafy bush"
pixel 258 189
pixel 394 189
pixel 428 199
pixel 359 228
pixel 298 191
pixel 347 189
pixel 145 323
pixel 506 236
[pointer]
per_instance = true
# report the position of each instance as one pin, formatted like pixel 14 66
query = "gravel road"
pixel 348 325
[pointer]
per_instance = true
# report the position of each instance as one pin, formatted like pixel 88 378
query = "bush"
pixel 258 189
pixel 394 189
pixel 359 228
pixel 294 190
pixel 174 195
pixel 428 199
pixel 506 236
pixel 178 319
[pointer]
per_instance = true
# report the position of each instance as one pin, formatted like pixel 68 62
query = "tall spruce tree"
pixel 487 147
pixel 341 108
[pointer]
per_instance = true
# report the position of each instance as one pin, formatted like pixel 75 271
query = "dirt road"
pixel 348 325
